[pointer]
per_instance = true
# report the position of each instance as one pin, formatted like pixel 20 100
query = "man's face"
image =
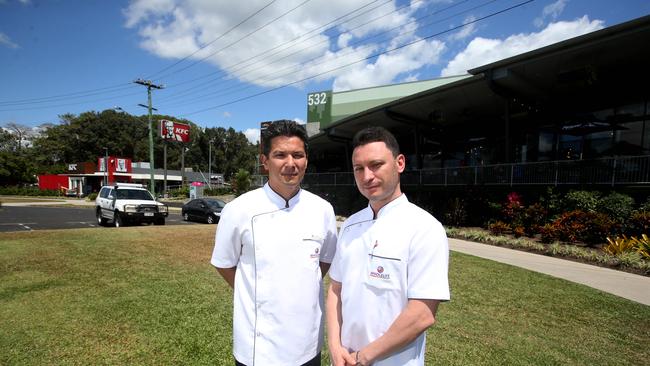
pixel 376 173
pixel 286 164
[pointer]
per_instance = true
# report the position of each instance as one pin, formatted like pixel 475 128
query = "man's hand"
pixel 341 357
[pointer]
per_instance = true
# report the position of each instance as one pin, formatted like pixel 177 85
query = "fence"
pixel 627 170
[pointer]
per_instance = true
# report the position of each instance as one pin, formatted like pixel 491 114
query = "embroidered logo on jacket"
pixel 380 274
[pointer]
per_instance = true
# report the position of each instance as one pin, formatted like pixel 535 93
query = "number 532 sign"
pixel 319 107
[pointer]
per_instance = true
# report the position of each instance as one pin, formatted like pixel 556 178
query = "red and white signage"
pixel 174 131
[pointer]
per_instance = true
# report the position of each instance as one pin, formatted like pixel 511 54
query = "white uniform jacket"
pixel 382 263
pixel 278 299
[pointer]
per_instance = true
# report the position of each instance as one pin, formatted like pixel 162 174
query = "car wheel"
pixel 101 221
pixel 186 217
pixel 210 219
pixel 118 220
pixel 159 222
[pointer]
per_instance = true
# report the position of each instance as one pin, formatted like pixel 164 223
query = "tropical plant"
pixel 642 245
pixel 499 228
pixel 618 245
pixel 241 182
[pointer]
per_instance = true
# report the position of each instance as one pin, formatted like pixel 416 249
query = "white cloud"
pixel 227 114
pixel 253 135
pixel 6 41
pixel 465 31
pixel 552 11
pixel 389 66
pixel 481 51
pixel 299 121
pixel 178 28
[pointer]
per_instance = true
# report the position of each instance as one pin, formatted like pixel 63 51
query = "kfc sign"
pixel 174 131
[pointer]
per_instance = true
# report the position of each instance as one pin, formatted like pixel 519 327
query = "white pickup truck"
pixel 127 203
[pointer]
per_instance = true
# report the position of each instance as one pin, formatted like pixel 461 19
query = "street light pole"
pixel 150 85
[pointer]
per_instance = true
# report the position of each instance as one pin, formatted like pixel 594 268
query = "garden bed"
pixel 628 262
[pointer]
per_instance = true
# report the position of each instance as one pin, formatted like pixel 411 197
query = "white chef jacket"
pixel 278 299
pixel 382 263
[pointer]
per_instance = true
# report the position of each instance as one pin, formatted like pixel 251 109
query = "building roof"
pixel 599 68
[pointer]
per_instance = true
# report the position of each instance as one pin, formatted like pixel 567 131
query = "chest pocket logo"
pixel 310 249
pixel 383 273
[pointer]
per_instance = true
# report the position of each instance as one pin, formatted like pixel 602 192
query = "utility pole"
pixel 210 164
pixel 149 86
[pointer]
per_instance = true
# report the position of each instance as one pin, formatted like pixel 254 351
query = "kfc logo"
pixel 174 131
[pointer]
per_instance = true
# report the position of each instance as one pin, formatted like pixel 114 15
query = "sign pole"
pixel 165 167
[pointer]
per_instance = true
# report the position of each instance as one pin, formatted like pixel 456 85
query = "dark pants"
pixel 313 362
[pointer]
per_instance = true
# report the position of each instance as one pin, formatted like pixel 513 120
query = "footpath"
pixel 627 285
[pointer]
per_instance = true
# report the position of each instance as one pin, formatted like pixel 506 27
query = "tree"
pixel 7 142
pixel 241 183
pixel 20 132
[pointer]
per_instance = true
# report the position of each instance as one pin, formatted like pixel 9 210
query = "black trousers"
pixel 313 362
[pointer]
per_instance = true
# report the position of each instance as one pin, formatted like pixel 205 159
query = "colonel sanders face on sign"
pixel 169 129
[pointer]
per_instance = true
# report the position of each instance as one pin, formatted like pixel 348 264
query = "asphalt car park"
pixel 28 218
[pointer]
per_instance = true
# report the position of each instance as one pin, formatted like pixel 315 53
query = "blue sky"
pixel 237 63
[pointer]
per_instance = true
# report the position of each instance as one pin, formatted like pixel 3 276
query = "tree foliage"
pixel 84 137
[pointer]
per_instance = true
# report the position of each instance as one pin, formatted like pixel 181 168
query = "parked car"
pixel 126 203
pixel 203 209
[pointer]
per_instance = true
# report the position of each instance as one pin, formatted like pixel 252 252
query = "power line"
pixel 102 90
pixel 292 69
pixel 69 104
pixel 78 94
pixel 240 65
pixel 360 60
pixel 237 41
pixel 214 40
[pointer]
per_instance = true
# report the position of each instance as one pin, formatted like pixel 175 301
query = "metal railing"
pixel 624 170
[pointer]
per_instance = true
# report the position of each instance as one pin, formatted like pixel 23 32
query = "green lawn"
pixel 147 295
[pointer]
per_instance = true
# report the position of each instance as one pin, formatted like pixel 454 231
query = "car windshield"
pixel 134 194
pixel 215 203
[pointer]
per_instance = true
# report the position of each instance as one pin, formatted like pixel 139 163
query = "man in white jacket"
pixel 273 246
pixel 389 272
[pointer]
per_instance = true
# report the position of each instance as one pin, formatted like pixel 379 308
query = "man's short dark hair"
pixel 282 128
pixel 376 134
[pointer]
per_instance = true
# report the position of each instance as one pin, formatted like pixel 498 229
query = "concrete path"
pixel 623 284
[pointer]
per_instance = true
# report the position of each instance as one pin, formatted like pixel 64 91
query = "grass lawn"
pixel 147 295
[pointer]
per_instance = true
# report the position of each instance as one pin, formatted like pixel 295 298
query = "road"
pixel 27 218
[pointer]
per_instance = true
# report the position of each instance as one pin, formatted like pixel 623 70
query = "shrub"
pixel 645 206
pixel 456 212
pixel 617 205
pixel 639 223
pixel 28 191
pixel 217 191
pixel 499 228
pixel 548 233
pixel 92 196
pixel 518 231
pixel 629 259
pixel 534 217
pixel 588 227
pixel 587 201
pixel 551 201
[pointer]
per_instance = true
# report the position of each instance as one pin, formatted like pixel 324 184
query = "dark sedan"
pixel 203 209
